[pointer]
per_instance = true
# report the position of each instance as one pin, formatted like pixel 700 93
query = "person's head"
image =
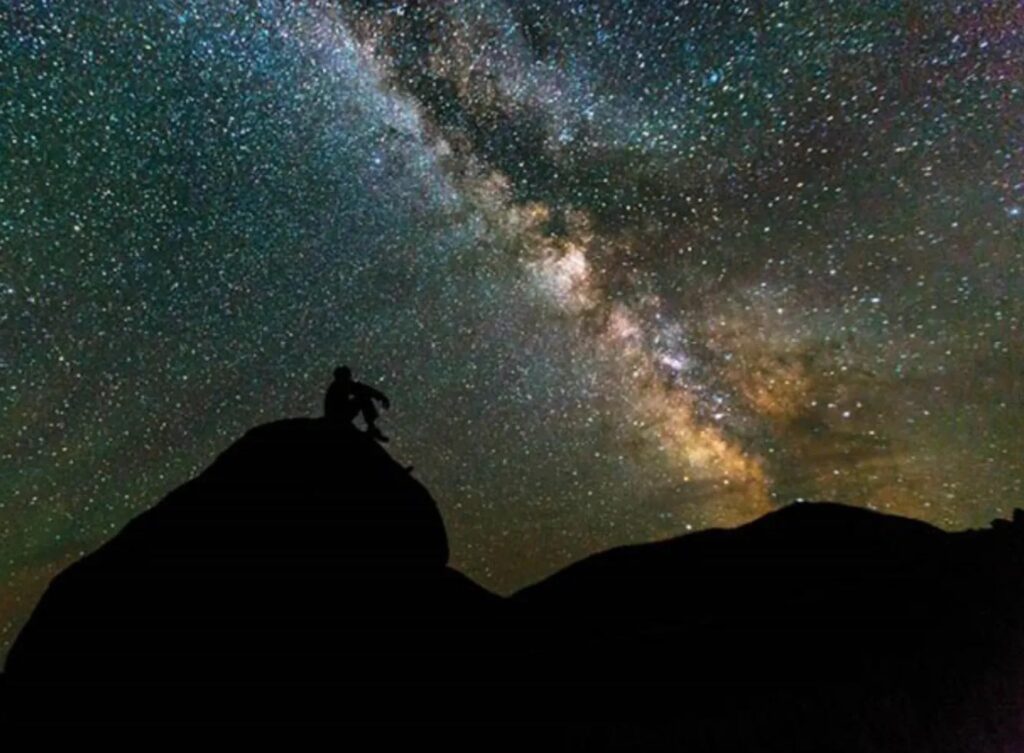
pixel 343 374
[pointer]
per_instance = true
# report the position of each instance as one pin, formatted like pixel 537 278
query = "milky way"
pixel 626 269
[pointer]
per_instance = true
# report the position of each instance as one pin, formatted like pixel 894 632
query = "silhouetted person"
pixel 347 398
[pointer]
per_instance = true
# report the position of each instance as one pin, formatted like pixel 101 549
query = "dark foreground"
pixel 302 580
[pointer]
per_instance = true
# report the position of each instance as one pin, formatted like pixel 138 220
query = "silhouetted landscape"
pixel 748 271
pixel 303 578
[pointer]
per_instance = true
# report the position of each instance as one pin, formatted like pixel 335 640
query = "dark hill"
pixel 812 591
pixel 302 551
pixel 303 578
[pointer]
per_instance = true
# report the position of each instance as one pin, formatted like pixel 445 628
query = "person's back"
pixel 337 403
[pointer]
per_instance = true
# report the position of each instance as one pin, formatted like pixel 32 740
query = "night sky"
pixel 626 269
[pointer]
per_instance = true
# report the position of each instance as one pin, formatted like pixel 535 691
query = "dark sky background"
pixel 626 269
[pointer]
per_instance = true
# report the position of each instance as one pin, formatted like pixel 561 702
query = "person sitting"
pixel 347 398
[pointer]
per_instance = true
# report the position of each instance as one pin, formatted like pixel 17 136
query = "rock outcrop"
pixel 304 552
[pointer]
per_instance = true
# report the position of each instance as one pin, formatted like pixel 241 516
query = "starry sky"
pixel 626 269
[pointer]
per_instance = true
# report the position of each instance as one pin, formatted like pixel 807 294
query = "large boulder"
pixel 302 552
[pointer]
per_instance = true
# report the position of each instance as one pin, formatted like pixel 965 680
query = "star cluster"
pixel 626 269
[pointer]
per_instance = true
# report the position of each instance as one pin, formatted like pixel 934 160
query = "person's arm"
pixel 379 396
pixel 383 399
